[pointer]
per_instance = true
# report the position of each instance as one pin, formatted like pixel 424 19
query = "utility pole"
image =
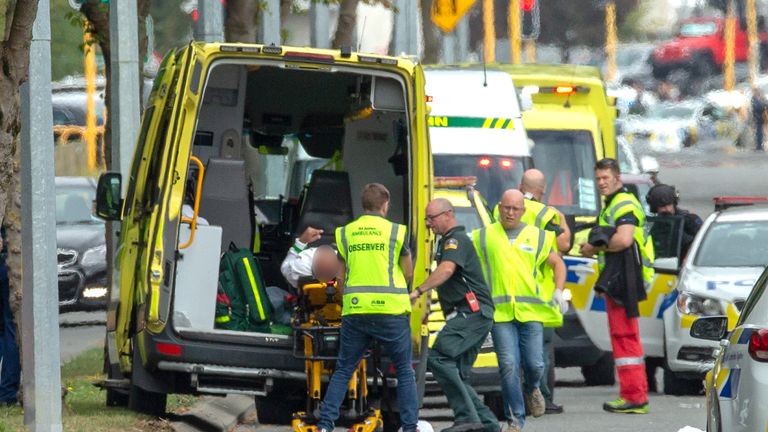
pixel 405 39
pixel 40 306
pixel 462 38
pixel 210 24
pixel 89 46
pixel 269 23
pixel 514 30
pixel 754 46
pixel 730 46
pixel 530 51
pixel 320 29
pixel 489 32
pixel 610 39
pixel 449 47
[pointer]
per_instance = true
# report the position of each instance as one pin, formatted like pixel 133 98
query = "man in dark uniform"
pixel 466 302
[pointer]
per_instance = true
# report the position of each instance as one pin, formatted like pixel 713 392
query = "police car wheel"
pixel 601 373
pixel 678 386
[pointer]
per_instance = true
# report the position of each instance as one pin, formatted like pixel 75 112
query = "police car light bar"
pixel 455 182
pixel 723 202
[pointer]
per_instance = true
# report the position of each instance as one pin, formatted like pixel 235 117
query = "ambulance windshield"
pixel 567 159
pixel 495 174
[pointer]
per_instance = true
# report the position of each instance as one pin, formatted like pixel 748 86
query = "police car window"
pixel 567 158
pixel 756 309
pixel 734 244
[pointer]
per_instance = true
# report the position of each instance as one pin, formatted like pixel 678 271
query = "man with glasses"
pixel 513 255
pixel 465 300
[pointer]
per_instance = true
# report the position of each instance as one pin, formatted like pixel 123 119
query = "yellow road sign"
pixel 447 13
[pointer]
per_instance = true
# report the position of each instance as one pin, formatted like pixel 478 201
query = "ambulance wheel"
pixel 114 396
pixel 147 402
pixel 601 373
pixel 495 402
pixel 677 386
pixel 274 409
pixel 391 420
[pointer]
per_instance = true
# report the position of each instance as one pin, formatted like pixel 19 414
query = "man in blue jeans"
pixel 10 369
pixel 513 256
pixel 375 305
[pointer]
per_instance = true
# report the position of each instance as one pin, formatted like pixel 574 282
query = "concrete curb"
pixel 216 414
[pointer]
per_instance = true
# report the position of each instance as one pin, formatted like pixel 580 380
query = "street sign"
pixel 446 14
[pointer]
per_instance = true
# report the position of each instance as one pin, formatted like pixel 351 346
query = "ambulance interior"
pixel 283 149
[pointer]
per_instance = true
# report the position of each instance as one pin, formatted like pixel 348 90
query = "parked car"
pixel 670 127
pixel 633 63
pixel 699 48
pixel 725 260
pixel 736 388
pixel 81 248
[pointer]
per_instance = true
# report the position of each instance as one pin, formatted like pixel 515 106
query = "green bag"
pixel 242 303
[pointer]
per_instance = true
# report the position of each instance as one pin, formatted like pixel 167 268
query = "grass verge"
pixel 84 408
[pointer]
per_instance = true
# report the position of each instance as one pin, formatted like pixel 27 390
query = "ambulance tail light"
pixel 169 349
pixel 506 164
pixel 307 57
pixel 484 162
pixel 564 89
pixel 758 345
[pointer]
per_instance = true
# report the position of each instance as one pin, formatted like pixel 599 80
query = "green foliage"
pixel 67 46
pixel 84 405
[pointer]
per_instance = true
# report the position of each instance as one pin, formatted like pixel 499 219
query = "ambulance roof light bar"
pixel 455 181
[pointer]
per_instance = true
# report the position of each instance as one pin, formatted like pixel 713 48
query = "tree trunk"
pixel 345 26
pixel 240 24
pixel 431 37
pixel 14 55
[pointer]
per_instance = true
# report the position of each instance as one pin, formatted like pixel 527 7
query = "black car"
pixel 81 246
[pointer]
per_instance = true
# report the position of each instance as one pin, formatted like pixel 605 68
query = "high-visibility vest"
pixel 512 271
pixel 539 215
pixel 622 204
pixel 375 283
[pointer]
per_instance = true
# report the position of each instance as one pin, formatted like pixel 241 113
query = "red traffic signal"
pixel 527 5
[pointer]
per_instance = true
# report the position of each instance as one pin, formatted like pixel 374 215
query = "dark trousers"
pixel 759 135
pixel 547 385
pixel 10 368
pixel 451 359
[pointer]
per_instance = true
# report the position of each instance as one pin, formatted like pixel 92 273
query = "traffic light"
pixel 529 19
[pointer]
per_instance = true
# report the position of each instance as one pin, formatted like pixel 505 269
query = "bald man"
pixel 465 300
pixel 533 186
pixel 321 263
pixel 512 255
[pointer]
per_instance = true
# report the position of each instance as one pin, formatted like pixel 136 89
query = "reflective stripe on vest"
pixel 644 243
pixel 629 361
pixel 369 289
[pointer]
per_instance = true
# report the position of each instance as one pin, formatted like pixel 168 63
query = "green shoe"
pixel 621 406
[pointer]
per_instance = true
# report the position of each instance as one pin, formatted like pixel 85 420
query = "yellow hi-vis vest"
pixel 540 215
pixel 622 204
pixel 512 272
pixel 375 283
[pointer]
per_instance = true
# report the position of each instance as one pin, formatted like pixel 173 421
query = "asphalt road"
pixel 80 331
pixel 583 411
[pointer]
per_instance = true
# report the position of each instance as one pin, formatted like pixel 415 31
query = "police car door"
pixel 591 308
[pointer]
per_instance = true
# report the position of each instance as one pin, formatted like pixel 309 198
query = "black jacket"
pixel 622 277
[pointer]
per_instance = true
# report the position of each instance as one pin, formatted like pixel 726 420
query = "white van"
pixel 475 127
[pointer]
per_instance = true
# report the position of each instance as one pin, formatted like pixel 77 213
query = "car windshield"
pixel 74 204
pixel 756 309
pixel 670 111
pixel 698 29
pixel 468 217
pixel 734 244
pixel 567 159
pixel 495 174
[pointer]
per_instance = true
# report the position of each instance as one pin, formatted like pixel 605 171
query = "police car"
pixel 737 387
pixel 726 258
